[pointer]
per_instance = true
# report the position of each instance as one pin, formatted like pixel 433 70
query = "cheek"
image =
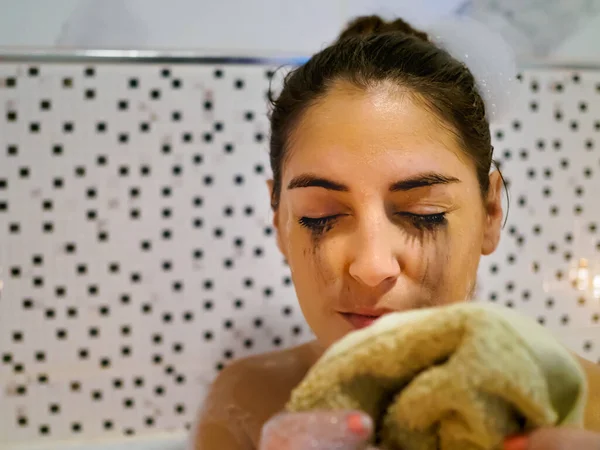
pixel 460 263
pixel 444 265
pixel 316 260
pixel 430 260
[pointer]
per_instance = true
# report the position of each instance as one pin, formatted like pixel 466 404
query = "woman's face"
pixel 380 211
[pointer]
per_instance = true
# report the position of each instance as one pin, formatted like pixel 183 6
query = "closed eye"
pixel 317 223
pixel 426 221
pixel 419 221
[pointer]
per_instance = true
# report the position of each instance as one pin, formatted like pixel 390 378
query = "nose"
pixel 375 259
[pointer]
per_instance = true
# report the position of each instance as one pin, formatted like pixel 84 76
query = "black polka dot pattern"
pixel 551 229
pixel 134 164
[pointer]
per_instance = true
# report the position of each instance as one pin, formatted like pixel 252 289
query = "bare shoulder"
pixel 246 394
pixel 592 414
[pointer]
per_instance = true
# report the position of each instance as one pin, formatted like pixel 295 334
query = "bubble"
pixel 489 58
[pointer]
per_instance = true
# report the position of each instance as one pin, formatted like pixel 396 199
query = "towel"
pixel 458 377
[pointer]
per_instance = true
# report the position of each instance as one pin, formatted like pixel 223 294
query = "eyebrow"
pixel 414 182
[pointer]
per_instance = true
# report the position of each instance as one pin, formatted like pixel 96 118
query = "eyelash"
pixel 427 222
pixel 315 223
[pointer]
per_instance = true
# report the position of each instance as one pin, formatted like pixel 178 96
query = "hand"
pixel 555 439
pixel 318 430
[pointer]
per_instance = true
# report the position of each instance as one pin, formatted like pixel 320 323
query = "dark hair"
pixel 369 52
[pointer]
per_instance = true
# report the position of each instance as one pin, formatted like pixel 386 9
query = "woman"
pixel 383 201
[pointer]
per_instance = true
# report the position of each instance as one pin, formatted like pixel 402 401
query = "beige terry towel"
pixel 459 377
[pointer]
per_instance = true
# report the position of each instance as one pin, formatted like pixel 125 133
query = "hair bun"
pixel 367 25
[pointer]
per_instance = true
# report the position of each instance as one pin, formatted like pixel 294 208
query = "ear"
pixel 276 220
pixel 493 214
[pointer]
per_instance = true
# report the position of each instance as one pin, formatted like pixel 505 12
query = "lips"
pixel 359 321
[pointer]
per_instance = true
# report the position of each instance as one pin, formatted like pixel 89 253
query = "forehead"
pixel 382 128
